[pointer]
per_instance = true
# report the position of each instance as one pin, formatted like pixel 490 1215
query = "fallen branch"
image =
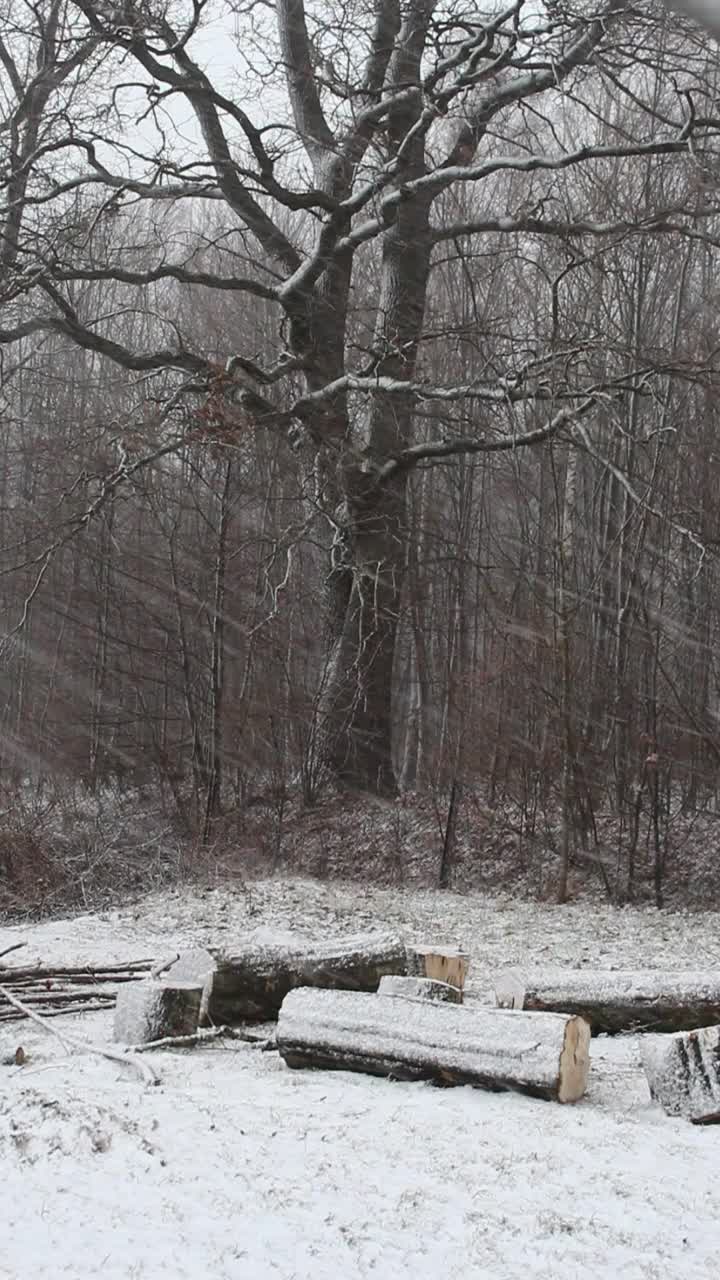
pixel 88 972
pixel 69 1042
pixel 202 1036
pixel 164 965
pixel 67 989
pixel 58 1011
pixel 15 947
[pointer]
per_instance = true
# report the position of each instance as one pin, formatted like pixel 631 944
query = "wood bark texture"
pixel 622 1000
pixel 544 1055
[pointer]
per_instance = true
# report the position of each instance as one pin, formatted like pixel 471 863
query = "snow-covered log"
pixel 683 1072
pixel 252 983
pixel 154 1010
pixel 420 989
pixel 446 964
pixel 621 1000
pixel 545 1055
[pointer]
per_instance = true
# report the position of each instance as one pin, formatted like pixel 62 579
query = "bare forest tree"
pixel 358 393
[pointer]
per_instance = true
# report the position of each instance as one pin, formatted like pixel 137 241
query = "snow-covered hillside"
pixel 236 1167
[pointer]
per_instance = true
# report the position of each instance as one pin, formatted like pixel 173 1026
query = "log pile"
pixel 616 1000
pixel 53 990
pixel 544 1055
pixel 372 1004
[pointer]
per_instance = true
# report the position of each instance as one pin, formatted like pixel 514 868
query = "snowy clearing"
pixel 238 1167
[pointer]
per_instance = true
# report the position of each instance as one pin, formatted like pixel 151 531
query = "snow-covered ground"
pixel 236 1167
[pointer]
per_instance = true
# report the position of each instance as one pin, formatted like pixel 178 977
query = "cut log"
pixel 251 984
pixel 683 1072
pixel 622 1000
pixel 196 966
pixel 446 964
pixel 545 1055
pixel 152 1010
pixel 420 989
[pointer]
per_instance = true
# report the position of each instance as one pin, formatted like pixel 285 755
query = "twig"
pixel 8 1015
pixel 157 969
pixel 15 947
pixel 69 1042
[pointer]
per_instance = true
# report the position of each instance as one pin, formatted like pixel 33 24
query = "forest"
pixel 358 434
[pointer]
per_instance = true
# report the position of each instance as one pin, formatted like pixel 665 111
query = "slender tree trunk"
pixel 217 663
pixel 100 665
pixel 566 608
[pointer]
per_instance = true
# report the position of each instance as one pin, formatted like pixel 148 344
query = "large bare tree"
pixel 345 154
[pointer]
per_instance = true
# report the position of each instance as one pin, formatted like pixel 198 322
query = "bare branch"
pixel 453 447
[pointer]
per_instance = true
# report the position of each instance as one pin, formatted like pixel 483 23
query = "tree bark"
pixel 545 1056
pixel 358 701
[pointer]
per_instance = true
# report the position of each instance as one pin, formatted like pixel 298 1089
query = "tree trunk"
pixel 214 753
pixel 252 984
pixel 358 699
pixel 616 1000
pixel 542 1055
